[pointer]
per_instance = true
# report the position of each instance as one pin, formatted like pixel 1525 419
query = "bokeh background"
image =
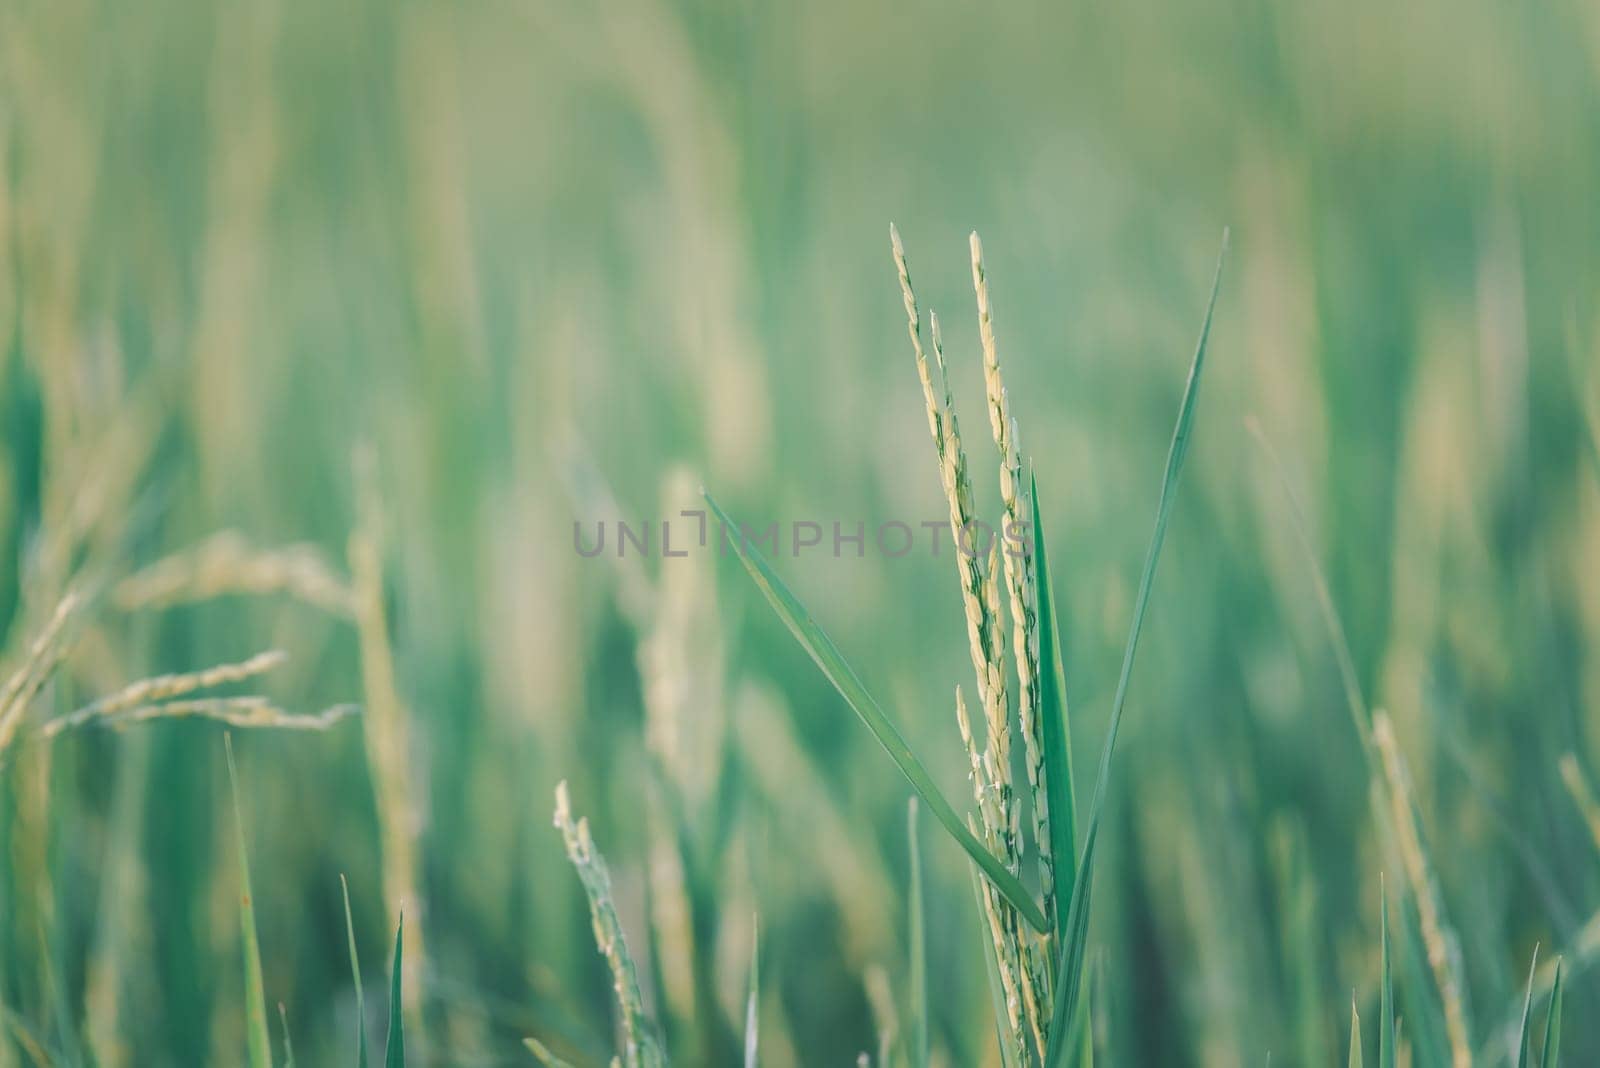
pixel 548 262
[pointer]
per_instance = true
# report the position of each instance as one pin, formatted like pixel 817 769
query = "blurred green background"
pixel 536 254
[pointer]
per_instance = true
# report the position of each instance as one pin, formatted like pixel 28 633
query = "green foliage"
pixel 917 936
pixel 394 1052
pixel 1550 1050
pixel 259 1042
pixel 844 679
pixel 1074 936
pixel 355 976
pixel 488 245
pixel 1523 1034
pixel 1387 1024
pixel 1054 718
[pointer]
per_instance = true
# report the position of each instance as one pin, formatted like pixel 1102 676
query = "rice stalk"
pixel 162 687
pixel 980 600
pixel 1019 576
pixel 885 1017
pixel 979 573
pixel 44 655
pixel 997 994
pixel 640 1048
pixel 1004 949
pixel 226 563
pixel 1439 940
pixel 946 431
pixel 251 712
pixel 387 731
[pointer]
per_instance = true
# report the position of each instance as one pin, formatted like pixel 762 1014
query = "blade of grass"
pixel 1078 1036
pixel 394 1055
pixel 919 962
pixel 259 1043
pixel 1386 1024
pixel 1418 994
pixel 1355 1034
pixel 752 1039
pixel 1069 975
pixel 839 672
pixel 1527 1006
pixel 1551 1050
pixel 355 973
pixel 288 1043
pixel 542 1054
pixel 1055 724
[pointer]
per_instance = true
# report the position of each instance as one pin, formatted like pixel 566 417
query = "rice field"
pixel 542 534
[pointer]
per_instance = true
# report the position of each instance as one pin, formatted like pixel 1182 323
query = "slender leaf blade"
pixel 1386 1023
pixel 542 1054
pixel 395 1051
pixel 258 1041
pixel 1527 1007
pixel 1071 952
pixel 1355 1035
pixel 917 935
pixel 839 672
pixel 1552 1024
pixel 355 974
pixel 752 1034
pixel 1054 720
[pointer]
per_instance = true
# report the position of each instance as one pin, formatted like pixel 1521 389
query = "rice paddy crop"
pixel 411 415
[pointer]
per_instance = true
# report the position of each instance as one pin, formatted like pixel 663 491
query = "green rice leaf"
pixel 1527 1006
pixel 1355 1035
pixel 1069 974
pixel 919 962
pixel 542 1054
pixel 1552 1024
pixel 355 973
pixel 394 1055
pixel 1386 1023
pixel 753 1000
pixel 1056 726
pixel 258 1042
pixel 839 672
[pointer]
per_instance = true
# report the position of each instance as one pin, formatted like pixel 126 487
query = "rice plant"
pixel 1037 954
pixel 1299 773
